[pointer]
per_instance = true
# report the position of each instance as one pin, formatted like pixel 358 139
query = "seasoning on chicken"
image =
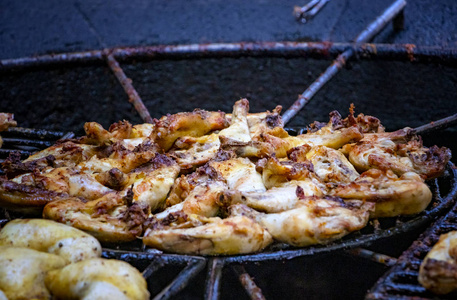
pixel 210 236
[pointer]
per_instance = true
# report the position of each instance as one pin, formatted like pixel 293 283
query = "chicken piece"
pixel 24 198
pixel 238 131
pixel 184 185
pixel 192 152
pixel 120 158
pixel 204 200
pixel 48 236
pixel 153 181
pixel 96 134
pixel 211 236
pixel 335 139
pixel 400 151
pixel 97 278
pixel 240 174
pixel 393 196
pixel 65 154
pixel 330 165
pixel 263 122
pixel 364 124
pixel 275 172
pixel 312 221
pixel 7 121
pixel 280 198
pixel 112 218
pixel 438 270
pixel 23 271
pixel 197 123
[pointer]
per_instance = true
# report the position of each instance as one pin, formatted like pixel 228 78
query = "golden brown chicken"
pixel 393 195
pixel 209 236
pixel 312 220
pixel 400 151
pixel 438 271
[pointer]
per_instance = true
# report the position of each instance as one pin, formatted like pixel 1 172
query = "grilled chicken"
pixel 23 271
pixel 312 220
pixel 438 271
pixel 210 236
pixel 97 278
pixel 48 236
pixel 191 152
pixel 240 174
pixel 112 218
pixel 392 195
pixel 400 151
pixel 280 198
pixel 204 200
pixel 330 165
pixel 197 123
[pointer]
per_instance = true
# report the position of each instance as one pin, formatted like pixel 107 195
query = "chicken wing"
pixel 210 236
pixel 312 221
pixel 400 151
pixel 392 195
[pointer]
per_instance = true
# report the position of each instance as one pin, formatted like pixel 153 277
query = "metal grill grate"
pixel 401 280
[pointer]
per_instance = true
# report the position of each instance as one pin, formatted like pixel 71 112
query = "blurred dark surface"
pixel 65 97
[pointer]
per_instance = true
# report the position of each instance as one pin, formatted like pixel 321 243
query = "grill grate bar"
pixel 370 32
pixel 213 280
pixel 153 267
pixel 399 52
pixel 248 283
pixel 182 280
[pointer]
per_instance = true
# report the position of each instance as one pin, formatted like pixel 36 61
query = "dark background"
pixel 64 97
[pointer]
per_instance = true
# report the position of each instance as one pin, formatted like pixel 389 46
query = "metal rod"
pixel 126 83
pixel 400 52
pixel 376 257
pixel 307 12
pixel 248 283
pixel 153 267
pixel 181 281
pixel 213 280
pixel 437 125
pixel 365 36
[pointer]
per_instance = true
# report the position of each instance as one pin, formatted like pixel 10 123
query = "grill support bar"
pixel 369 33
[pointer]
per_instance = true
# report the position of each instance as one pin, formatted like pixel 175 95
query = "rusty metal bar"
pixel 254 292
pixel 437 125
pixel 365 36
pixel 126 83
pixel 213 280
pixel 399 52
pixel 376 257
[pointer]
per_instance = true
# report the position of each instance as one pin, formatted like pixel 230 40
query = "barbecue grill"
pixel 174 275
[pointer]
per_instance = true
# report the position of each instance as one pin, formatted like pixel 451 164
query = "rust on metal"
pixel 410 51
pixel 126 83
pixel 248 283
pixel 437 125
pixel 319 50
pixel 376 257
